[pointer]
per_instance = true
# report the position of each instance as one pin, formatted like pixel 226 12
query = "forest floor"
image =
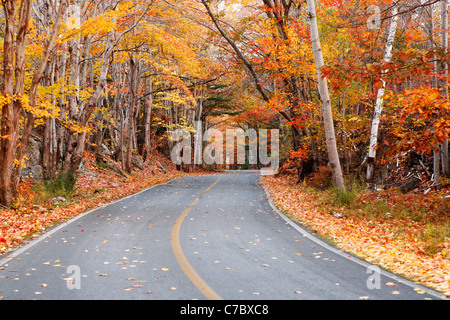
pixel 407 234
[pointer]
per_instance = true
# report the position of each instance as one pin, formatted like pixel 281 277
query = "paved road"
pixel 205 237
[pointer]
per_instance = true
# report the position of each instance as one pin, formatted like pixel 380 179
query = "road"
pixel 203 237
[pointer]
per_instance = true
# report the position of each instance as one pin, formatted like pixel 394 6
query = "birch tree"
pixel 445 161
pixel 333 155
pixel 379 102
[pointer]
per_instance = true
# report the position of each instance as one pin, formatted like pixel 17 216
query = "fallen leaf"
pixel 390 284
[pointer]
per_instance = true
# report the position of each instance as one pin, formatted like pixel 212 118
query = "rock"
pixel 161 167
pixel 33 172
pixel 33 153
pixel 337 215
pixel 34 169
pixel 58 200
pixel 105 151
pixel 90 173
pixel 137 162
pixel 410 184
pixel 116 168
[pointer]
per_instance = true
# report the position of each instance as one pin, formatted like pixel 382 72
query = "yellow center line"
pixel 187 268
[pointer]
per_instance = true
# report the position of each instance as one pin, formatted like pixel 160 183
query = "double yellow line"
pixel 181 258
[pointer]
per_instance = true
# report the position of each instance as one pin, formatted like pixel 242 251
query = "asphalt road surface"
pixel 204 237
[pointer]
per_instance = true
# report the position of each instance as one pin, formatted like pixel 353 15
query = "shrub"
pixel 322 179
pixel 343 198
pixel 63 185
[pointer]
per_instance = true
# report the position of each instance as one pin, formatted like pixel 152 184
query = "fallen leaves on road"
pixel 96 187
pixel 388 243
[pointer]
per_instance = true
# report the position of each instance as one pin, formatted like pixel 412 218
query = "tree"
pixel 76 144
pixel 379 102
pixel 333 155
pixel 444 15
pixel 14 89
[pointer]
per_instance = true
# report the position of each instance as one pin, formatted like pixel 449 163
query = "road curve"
pixel 202 237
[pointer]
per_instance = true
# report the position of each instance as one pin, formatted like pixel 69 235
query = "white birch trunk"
pixel 333 155
pixel 445 163
pixel 379 103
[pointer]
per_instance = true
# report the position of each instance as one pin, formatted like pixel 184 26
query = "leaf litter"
pixel 29 219
pixel 374 241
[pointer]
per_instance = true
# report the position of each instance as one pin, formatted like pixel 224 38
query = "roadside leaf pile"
pixel 389 243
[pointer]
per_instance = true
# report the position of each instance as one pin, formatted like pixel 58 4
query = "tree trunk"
pixel 47 154
pixel 333 155
pixel 74 80
pixel 98 138
pixel 9 124
pixel 131 113
pixel 434 84
pixel 37 76
pixel 13 85
pixel 379 103
pixel 445 160
pixel 75 148
pixel 76 143
pixel 198 138
pixel 147 122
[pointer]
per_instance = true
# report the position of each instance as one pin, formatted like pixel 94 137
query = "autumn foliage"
pixel 102 84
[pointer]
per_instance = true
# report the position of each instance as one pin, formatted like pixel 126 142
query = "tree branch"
pixel 238 52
